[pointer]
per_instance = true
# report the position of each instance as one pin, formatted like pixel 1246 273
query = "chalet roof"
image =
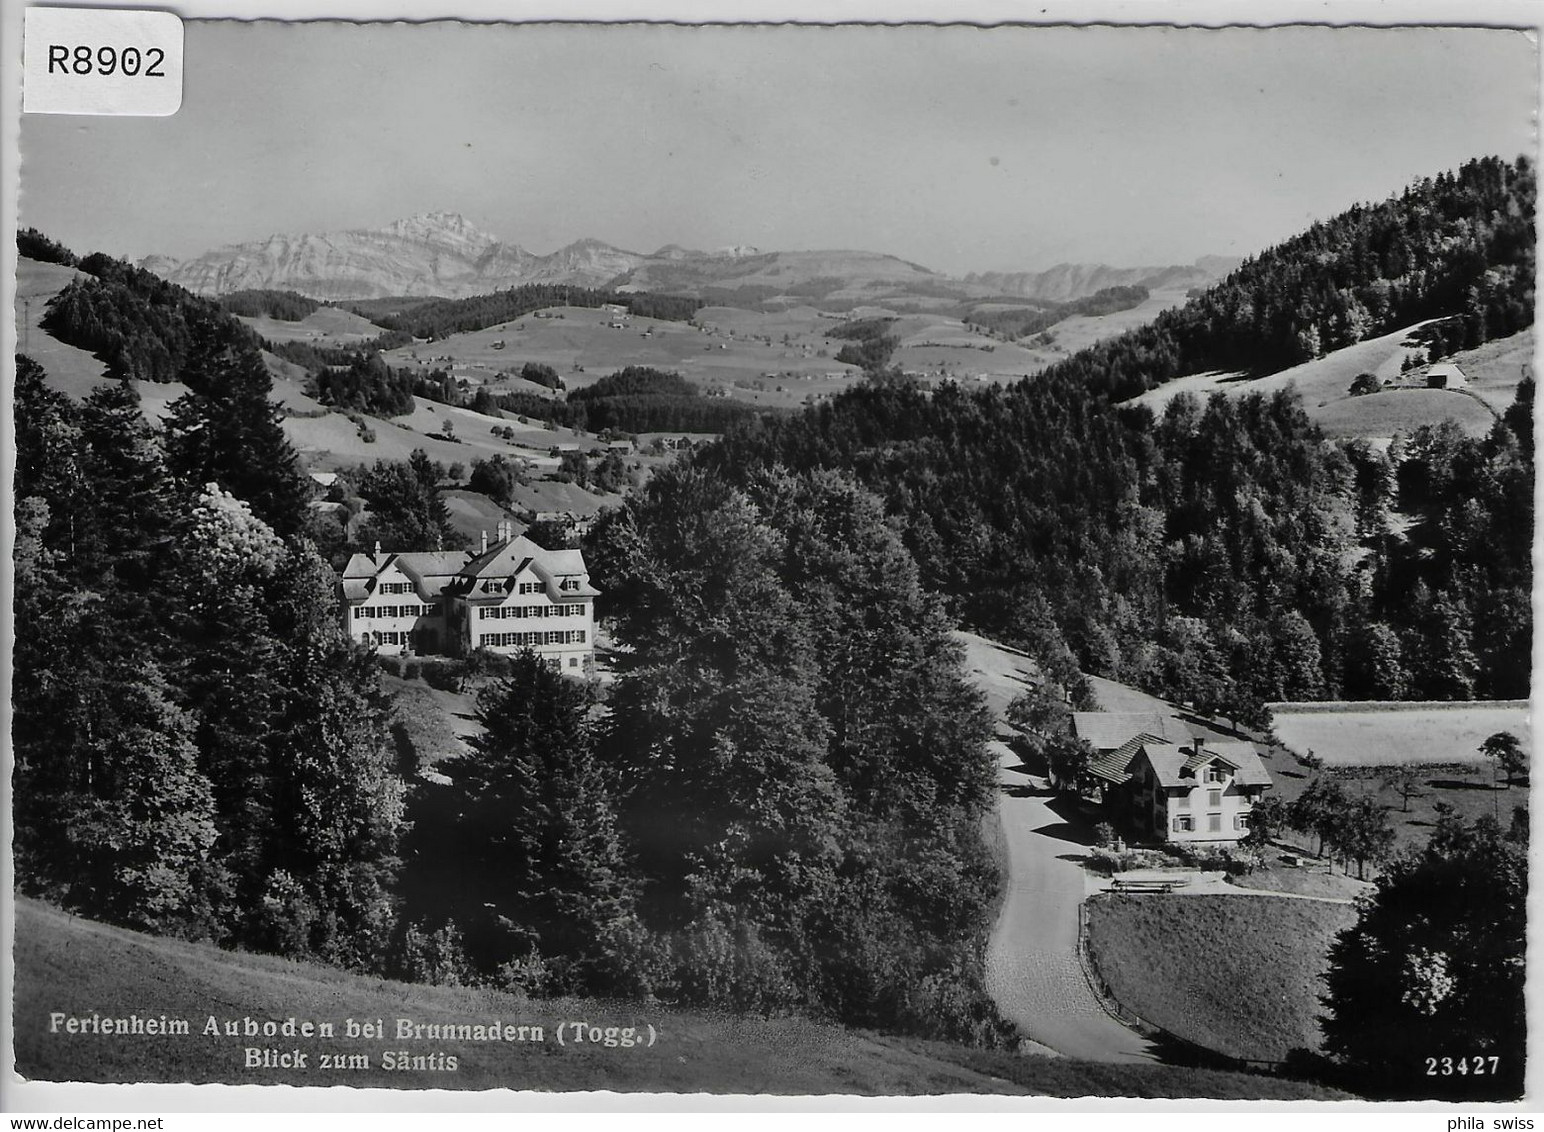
pixel 1115 766
pixel 431 570
pixel 1176 765
pixel 1109 730
pixel 505 561
pixel 432 563
pixel 359 576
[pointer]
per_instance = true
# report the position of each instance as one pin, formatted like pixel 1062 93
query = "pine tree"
pixel 532 832
pixel 226 430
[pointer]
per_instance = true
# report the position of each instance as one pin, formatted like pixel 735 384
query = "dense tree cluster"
pixel 440 318
pixel 406 511
pixel 199 750
pixel 316 359
pixel 32 244
pixel 869 343
pixel 541 374
pixel 632 400
pixel 285 306
pixel 781 809
pixel 368 385
pixel 133 320
pixel 1431 977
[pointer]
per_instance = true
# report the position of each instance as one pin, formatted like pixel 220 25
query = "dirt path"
pixel 1032 964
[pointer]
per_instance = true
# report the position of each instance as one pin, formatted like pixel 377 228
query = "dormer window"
pixel 1217 774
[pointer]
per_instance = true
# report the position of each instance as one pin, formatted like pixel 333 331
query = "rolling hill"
pixel 325 438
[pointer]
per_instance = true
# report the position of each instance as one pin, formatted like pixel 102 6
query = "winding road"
pixel 1032 964
pixel 1032 969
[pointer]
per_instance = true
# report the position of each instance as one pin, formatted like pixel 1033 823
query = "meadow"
pixel 1324 385
pixel 1235 974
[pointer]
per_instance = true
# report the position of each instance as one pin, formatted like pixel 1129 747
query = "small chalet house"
pixel 1171 787
pixel 511 596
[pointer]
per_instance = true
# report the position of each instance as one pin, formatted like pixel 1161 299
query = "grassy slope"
pixel 1324 384
pixel 325 326
pixel 63 963
pixel 1237 974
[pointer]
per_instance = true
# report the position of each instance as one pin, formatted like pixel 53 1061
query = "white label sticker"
pixel 101 61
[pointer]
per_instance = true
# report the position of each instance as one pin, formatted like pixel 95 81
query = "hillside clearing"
pixel 76 967
pixel 1236 974
pixel 1323 384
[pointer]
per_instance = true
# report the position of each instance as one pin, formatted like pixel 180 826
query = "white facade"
pixel 395 618
pixel 515 595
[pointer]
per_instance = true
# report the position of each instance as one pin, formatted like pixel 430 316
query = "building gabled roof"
pixel 431 570
pixel 1115 766
pixel 1109 730
pixel 504 562
pixel 359 576
pixel 1176 765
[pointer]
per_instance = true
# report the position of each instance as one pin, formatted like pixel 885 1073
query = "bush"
pixel 442 675
pixel 1363 384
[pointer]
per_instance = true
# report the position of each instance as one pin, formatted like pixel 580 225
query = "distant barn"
pixel 1445 375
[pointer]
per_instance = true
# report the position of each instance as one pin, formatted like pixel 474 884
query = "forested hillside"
pixel 1227 553
pixel 1458 247
pixel 634 399
pixel 135 321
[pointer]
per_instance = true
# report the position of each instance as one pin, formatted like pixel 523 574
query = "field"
pixel 777 358
pixel 1387 734
pixel 323 327
pixel 1323 384
pixel 1235 974
pixel 70 370
pixel 1469 788
pixel 1081 331
pixel 74 966
pixel 1361 745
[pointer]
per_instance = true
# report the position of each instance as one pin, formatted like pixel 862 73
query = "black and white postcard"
pixel 688 557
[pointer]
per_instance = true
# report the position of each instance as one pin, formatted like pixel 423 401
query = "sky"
pixel 960 148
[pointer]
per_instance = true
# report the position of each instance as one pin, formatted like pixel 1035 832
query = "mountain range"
pixel 444 254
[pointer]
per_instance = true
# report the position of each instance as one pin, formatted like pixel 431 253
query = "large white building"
pixel 513 595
